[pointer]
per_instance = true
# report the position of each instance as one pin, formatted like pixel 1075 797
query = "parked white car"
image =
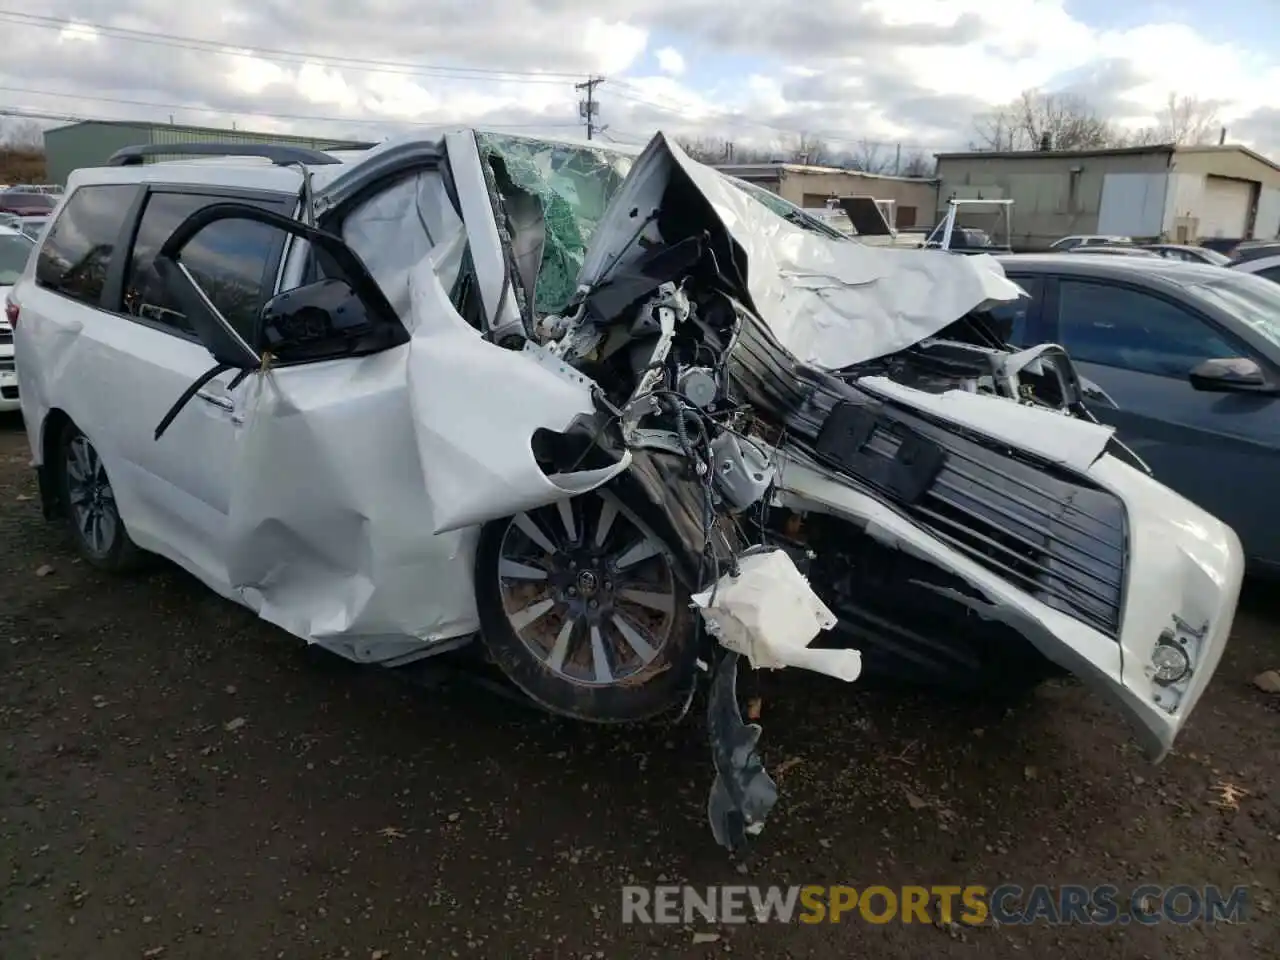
pixel 15 251
pixel 1086 240
pixel 568 401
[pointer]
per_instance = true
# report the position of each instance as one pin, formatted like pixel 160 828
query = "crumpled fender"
pixel 475 409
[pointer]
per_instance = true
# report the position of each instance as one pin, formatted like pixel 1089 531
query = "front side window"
pixel 76 252
pixel 1133 330
pixel 15 249
pixel 233 261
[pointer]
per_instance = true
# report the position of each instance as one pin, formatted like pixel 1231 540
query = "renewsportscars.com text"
pixel 971 904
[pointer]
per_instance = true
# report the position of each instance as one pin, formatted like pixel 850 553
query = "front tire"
pixel 90 505
pixel 580 607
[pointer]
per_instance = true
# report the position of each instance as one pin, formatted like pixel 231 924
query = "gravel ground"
pixel 177 779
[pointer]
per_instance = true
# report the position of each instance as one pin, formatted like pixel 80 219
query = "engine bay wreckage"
pixel 836 443
pixel 653 431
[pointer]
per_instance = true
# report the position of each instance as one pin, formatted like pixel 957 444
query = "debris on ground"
pixel 1268 681
pixel 1229 795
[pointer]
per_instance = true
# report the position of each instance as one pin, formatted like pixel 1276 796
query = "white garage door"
pixel 1224 207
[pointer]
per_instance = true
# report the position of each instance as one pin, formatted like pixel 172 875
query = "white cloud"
pixel 616 45
pixel 908 71
pixel 77 33
pixel 670 61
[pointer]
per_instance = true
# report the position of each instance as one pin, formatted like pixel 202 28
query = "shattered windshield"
pixel 573 184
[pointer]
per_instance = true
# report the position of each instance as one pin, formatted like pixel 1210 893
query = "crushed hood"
pixel 830 302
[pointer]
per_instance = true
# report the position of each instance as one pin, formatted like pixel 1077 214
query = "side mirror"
pixel 1231 375
pixel 314 318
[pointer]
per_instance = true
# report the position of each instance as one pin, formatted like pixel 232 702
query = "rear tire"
pixel 88 500
pixel 580 607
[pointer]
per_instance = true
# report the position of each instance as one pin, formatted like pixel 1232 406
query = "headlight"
pixel 1171 662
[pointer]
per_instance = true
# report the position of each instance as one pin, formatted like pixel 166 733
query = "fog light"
pixel 1171 662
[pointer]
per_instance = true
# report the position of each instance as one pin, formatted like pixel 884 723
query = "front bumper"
pixel 1184 567
pixel 1184 577
pixel 8 380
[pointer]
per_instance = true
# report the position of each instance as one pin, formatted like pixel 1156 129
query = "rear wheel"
pixel 90 504
pixel 581 609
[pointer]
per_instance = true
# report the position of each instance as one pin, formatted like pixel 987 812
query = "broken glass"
pixel 573 184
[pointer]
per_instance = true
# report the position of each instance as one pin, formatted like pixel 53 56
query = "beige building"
pixel 913 199
pixel 1179 194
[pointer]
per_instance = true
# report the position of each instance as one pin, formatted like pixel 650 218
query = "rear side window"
pixel 233 261
pixel 1271 273
pixel 77 251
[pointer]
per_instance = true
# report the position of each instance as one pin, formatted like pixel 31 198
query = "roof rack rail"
pixel 278 154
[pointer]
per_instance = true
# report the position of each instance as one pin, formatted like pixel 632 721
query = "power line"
pixel 33 114
pixel 478 74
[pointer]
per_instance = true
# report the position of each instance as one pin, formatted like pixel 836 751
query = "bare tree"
pixel 806 148
pixel 917 164
pixel 707 149
pixel 1038 121
pixel 997 131
pixel 1142 137
pixel 869 158
pixel 1184 121
pixel 22 134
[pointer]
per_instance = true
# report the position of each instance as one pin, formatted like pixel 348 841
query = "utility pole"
pixel 897 161
pixel 589 108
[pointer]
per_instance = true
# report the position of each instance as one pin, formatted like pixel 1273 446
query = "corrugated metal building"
pixel 92 142
pixel 914 198
pixel 1180 194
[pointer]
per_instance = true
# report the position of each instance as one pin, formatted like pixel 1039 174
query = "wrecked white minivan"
pixel 618 418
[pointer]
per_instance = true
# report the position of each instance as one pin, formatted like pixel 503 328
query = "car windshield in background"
pixel 1253 300
pixel 786 210
pixel 14 251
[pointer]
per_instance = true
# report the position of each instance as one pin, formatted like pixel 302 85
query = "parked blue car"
pixel 1184 360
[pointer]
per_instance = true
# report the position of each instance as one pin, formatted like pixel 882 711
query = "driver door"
pixel 201 439
pixel 1219 450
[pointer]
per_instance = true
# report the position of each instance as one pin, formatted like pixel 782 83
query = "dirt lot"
pixel 179 780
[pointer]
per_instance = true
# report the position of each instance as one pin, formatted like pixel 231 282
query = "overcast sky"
pixel 755 71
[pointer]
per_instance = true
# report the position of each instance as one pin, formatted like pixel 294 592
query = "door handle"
pixel 224 402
